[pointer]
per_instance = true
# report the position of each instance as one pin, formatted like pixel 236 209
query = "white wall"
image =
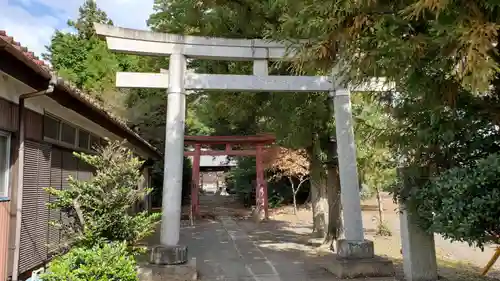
pixel 11 89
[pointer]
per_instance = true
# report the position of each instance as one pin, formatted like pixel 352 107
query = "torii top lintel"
pixel 207 140
pixel 259 51
pixel 135 41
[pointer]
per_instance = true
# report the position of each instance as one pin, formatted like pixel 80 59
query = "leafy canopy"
pixel 464 203
pixel 395 38
pixel 286 162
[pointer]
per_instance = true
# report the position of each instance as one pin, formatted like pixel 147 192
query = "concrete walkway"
pixel 224 251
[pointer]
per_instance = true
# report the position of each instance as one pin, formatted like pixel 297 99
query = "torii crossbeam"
pixel 178 80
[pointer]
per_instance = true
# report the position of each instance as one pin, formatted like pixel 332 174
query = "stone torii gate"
pixel 178 80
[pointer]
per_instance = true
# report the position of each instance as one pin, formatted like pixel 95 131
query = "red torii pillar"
pixel 195 179
pixel 259 142
pixel 261 187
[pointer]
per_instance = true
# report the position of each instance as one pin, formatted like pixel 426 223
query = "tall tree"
pixel 89 13
pixel 444 57
pixel 85 60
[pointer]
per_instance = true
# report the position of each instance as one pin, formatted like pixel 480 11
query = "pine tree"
pixel 89 13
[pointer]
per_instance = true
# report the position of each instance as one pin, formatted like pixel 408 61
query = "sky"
pixel 33 22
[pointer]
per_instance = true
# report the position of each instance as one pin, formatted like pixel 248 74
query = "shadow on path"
pixel 231 248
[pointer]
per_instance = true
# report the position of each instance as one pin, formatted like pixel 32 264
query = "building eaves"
pixel 44 70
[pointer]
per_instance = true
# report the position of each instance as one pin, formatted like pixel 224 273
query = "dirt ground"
pixel 457 260
pixel 286 231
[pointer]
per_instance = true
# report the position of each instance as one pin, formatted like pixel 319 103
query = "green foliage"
pixel 89 13
pixel 99 210
pixel 383 229
pixel 373 130
pixel 107 262
pixel 295 118
pixel 433 134
pixel 241 179
pixel 443 56
pixel 366 192
pixel 85 60
pixel 463 203
pixel 395 38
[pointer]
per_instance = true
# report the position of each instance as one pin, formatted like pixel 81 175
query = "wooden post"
pixel 195 180
pixel 492 261
pixel 261 192
pixel 266 203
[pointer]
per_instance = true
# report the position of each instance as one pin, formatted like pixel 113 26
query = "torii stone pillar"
pixel 348 170
pixel 174 152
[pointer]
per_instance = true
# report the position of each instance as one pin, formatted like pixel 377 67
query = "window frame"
pixel 76 145
pixel 4 194
pixel 61 133
pixel 59 127
pixel 79 134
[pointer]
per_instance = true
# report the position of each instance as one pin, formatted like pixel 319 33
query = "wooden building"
pixel 39 130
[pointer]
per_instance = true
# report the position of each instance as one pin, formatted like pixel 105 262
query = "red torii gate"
pixel 257 141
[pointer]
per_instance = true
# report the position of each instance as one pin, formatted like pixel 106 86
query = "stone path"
pixel 224 251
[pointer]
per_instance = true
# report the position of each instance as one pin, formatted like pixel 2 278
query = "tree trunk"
pixel 294 204
pixel 334 201
pixel 380 207
pixel 308 200
pixel 334 229
pixel 294 192
pixel 217 185
pixel 319 200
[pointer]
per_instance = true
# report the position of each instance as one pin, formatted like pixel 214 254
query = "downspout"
pixel 20 170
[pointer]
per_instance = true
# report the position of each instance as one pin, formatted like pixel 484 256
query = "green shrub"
pixel 383 229
pixel 100 210
pixel 109 262
pixel 462 203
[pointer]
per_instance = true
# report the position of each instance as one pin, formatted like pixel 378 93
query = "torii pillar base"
pixel 356 259
pixel 168 263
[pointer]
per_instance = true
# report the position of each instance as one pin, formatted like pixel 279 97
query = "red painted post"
pixel 266 199
pixel 195 181
pixel 261 192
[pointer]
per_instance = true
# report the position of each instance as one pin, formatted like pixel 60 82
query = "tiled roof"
pixel 23 54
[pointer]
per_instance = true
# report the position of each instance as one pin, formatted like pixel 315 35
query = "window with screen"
pixel 4 164
pixel 51 127
pixel 68 134
pixel 83 139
